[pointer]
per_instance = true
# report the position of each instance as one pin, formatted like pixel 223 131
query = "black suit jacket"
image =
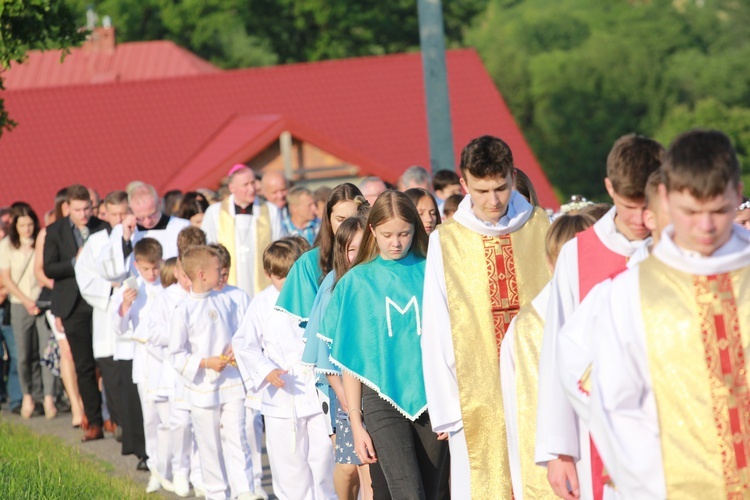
pixel 59 250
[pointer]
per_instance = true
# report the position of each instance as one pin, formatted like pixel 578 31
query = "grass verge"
pixel 33 466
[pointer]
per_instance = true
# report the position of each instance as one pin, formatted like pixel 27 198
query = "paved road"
pixel 106 449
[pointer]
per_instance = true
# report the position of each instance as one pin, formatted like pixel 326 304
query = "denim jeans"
pixel 412 459
pixel 13 387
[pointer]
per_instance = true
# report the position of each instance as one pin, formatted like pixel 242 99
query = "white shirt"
pixel 202 326
pixel 130 329
pixel 268 340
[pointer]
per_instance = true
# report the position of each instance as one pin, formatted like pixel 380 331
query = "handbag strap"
pixel 26 266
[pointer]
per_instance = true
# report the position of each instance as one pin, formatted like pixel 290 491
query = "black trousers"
pixel 412 459
pixel 133 437
pixel 113 388
pixel 78 331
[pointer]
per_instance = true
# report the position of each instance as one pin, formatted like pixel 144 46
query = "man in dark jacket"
pixel 64 240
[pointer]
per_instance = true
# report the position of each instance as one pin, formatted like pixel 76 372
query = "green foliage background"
pixel 576 74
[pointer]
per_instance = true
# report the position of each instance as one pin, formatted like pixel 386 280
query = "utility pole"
pixel 432 41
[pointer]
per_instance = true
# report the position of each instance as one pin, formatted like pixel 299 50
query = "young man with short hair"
pixel 64 242
pixel 594 255
pixel 481 268
pixel 670 389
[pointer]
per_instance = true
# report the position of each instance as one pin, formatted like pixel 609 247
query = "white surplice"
pixel 438 359
pixel 244 237
pixel 111 262
pixel 510 402
pixel 576 338
pixel 558 430
pixel 97 291
pixel 623 414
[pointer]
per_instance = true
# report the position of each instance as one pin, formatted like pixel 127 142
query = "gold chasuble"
pixel 262 240
pixel 697 337
pixel 488 278
pixel 528 334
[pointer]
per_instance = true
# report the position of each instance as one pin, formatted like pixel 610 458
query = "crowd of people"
pixel 406 341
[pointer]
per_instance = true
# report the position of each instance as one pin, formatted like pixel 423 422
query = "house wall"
pixel 318 164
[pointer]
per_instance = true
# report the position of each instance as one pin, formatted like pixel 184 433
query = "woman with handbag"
pixel 29 326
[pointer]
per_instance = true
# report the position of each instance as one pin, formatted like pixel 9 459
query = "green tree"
pixel 711 113
pixel 577 74
pixel 240 33
pixel 33 25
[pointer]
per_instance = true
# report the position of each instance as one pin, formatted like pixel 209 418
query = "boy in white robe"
pixel 200 351
pixel 577 336
pixel 669 394
pixel 269 347
pixel 131 304
pixel 573 468
pixel 253 417
pixel 185 462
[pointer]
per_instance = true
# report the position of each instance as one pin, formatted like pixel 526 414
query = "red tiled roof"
pixel 127 62
pixel 371 111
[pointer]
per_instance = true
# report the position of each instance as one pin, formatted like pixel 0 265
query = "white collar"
pixel 732 255
pixel 613 239
pixel 641 253
pixel 519 211
pixel 199 295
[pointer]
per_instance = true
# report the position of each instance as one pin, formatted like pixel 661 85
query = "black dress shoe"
pixel 142 465
pixel 118 434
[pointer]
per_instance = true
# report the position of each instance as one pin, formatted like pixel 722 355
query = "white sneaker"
pixel 199 492
pixel 181 485
pixel 165 483
pixel 154 484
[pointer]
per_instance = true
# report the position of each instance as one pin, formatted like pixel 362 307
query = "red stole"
pixel 596 263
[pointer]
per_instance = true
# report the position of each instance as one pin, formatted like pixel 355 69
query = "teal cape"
pixel 301 285
pixel 373 324
pixel 317 352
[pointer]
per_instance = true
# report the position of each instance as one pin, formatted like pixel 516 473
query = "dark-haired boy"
pixel 131 304
pixel 672 336
pixel 600 252
pixel 446 183
pixel 475 283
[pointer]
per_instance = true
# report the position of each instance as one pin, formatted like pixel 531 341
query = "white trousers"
pixel 460 472
pixel 254 432
pixel 220 434
pixel 150 429
pixel 301 457
pixel 182 439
